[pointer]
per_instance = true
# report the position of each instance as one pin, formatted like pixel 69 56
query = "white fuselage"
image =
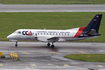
pixel 46 35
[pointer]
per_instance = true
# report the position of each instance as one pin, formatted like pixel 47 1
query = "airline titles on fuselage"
pixel 40 32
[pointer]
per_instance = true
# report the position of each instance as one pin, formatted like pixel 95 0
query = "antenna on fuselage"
pixel 44 28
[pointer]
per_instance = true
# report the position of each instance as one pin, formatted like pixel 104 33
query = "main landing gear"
pixel 48 44
pixel 52 46
pixel 16 43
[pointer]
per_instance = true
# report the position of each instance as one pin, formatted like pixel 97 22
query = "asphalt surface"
pixel 52 8
pixel 37 56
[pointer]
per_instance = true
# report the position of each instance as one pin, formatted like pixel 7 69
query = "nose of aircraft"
pixel 9 36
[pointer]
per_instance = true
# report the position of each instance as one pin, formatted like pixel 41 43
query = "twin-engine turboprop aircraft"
pixel 51 36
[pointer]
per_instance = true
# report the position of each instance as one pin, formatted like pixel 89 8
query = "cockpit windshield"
pixel 17 32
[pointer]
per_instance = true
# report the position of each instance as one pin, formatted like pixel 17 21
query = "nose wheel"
pixel 16 44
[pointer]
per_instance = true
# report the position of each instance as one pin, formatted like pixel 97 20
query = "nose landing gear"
pixel 16 44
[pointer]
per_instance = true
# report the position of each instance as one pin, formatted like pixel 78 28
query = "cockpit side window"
pixel 17 32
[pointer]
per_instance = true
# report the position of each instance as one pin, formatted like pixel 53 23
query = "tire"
pixel 48 44
pixel 16 45
pixel 52 46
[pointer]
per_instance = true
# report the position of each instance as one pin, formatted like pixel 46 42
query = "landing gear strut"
pixel 16 43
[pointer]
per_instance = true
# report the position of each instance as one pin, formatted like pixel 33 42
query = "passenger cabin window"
pixel 68 33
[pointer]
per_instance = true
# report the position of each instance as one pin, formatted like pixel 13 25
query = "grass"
pixel 52 1
pixel 3 56
pixel 9 22
pixel 87 57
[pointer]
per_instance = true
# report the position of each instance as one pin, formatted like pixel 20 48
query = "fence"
pixel 1 53
pixel 14 55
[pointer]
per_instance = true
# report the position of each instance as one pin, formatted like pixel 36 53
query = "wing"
pixel 53 39
pixel 46 38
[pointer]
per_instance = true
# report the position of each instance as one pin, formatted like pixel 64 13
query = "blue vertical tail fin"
pixel 93 26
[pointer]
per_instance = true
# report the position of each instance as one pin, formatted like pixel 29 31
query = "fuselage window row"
pixel 52 33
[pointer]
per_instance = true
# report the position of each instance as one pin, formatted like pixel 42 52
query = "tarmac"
pixel 52 8
pixel 37 56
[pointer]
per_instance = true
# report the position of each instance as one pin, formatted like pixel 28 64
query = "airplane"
pixel 52 36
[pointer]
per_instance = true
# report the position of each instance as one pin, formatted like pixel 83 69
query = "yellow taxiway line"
pixel 55 52
pixel 27 67
pixel 1 64
pixel 99 66
pixel 83 52
pixel 33 65
pixel 66 65
pixel 26 53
